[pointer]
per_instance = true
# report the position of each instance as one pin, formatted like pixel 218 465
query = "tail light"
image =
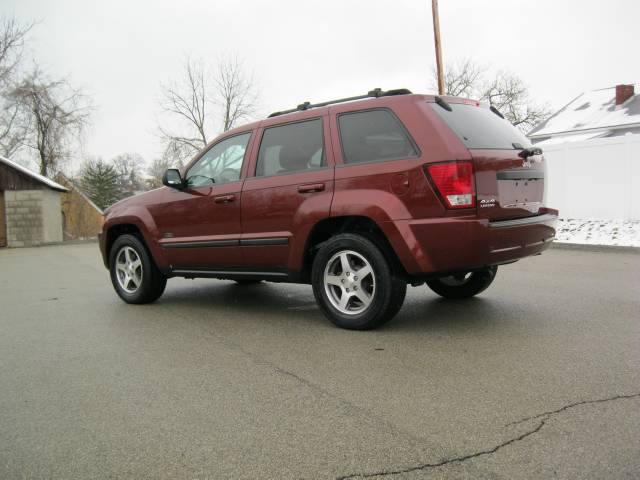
pixel 454 181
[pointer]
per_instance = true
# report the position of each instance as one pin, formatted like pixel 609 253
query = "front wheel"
pixel 134 275
pixel 354 284
pixel 463 285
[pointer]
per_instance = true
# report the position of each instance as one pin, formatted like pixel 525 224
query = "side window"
pixel 374 135
pixel 221 164
pixel 291 148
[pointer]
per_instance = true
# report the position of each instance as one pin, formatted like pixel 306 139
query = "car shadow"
pixel 286 303
pixel 264 299
pixel 435 314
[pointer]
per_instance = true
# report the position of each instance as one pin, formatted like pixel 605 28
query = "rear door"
pixel 508 186
pixel 290 191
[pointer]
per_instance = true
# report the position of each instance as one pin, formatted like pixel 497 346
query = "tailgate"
pixel 507 186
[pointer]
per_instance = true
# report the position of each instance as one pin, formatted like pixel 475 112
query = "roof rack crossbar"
pixel 375 93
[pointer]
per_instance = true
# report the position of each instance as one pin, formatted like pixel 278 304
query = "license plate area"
pixel 524 194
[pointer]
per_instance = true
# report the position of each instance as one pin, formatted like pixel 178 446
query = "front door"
pixel 3 225
pixel 200 225
pixel 291 190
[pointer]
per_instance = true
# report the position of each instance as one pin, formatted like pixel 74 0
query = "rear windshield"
pixel 479 127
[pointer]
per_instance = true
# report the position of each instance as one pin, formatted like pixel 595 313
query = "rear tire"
pixel 463 286
pixel 134 275
pixel 354 284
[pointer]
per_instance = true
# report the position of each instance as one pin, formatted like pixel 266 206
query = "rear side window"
pixel 374 135
pixel 291 148
pixel 479 127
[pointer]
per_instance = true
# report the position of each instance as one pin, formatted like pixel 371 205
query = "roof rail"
pixel 375 93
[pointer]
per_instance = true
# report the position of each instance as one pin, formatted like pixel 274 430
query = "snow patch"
pixel 595 109
pixel 599 232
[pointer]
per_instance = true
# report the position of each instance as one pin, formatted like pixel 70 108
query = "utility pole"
pixel 436 36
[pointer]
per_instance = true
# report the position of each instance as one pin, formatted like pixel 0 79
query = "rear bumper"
pixel 464 243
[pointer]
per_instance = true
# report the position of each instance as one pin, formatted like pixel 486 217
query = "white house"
pixel 604 113
pixel 592 150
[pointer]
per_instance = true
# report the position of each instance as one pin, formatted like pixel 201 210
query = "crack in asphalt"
pixel 364 413
pixel 447 461
pixel 543 416
pixel 259 360
pixel 571 405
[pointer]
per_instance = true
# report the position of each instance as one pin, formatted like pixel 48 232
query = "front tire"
pixel 134 275
pixel 463 285
pixel 354 284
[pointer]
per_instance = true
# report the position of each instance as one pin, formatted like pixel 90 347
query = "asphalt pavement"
pixel 536 378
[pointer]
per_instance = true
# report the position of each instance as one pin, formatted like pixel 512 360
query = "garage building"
pixel 30 208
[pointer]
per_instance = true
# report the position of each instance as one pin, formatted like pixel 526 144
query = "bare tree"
pixel 129 167
pixel 13 128
pixel 12 37
pixel 55 115
pixel 237 95
pixel 157 167
pixel 12 125
pixel 510 96
pixel 187 102
pixel 202 100
pixel 156 170
pixel 504 91
pixel 461 79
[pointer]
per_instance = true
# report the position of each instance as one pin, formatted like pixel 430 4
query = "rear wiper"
pixel 443 103
pixel 496 111
pixel 528 152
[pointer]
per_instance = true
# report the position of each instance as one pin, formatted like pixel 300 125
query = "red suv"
pixel 358 197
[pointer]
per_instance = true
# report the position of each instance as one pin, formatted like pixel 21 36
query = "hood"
pixel 143 198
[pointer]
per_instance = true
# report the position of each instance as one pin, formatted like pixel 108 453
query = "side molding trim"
pixel 248 242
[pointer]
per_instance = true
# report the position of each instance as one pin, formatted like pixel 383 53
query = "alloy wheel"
pixel 129 269
pixel 349 282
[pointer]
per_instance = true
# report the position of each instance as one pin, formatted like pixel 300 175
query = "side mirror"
pixel 173 179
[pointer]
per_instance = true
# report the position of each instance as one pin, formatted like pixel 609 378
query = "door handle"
pixel 224 198
pixel 310 188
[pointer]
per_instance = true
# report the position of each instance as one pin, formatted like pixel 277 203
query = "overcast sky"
pixel 119 51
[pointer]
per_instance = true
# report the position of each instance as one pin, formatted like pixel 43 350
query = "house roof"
pixel 591 112
pixel 75 187
pixel 36 176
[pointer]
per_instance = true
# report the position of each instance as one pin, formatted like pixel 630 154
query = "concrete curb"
pixel 54 244
pixel 67 242
pixel 595 248
pixel 76 242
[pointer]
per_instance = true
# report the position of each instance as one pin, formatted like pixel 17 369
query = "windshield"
pixel 479 127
